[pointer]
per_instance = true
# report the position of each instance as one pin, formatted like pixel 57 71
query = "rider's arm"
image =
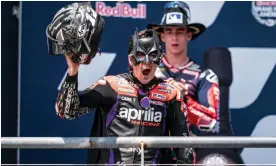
pixel 70 103
pixel 177 124
pixel 206 100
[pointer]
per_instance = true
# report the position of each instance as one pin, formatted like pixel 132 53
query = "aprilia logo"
pixel 143 117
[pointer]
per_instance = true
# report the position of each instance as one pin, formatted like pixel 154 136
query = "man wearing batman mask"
pixel 129 104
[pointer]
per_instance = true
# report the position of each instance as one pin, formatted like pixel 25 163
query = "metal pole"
pixel 142 154
pixel 135 142
pixel 19 16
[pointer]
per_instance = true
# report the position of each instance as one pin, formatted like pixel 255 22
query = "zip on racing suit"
pixel 117 101
pixel 203 95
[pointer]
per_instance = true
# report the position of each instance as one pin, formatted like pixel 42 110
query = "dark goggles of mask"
pixel 152 57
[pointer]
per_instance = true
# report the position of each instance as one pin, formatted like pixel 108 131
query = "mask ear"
pixel 130 61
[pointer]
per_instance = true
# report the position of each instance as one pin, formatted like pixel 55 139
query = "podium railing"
pixel 136 142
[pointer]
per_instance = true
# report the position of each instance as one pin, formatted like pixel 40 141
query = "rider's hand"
pixel 200 116
pixel 203 120
pixel 181 86
pixel 73 68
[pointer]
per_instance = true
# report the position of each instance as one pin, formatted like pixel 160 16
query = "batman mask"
pixel 146 47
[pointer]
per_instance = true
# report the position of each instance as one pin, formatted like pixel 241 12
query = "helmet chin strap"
pixel 86 44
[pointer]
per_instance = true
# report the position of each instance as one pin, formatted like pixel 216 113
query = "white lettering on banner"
pixel 122 10
pixel 134 114
pixel 89 74
pixel 264 12
pixel 251 71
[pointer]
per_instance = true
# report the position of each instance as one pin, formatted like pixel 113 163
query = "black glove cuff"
pixel 71 79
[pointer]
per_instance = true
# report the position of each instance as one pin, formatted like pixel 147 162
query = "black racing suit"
pixel 116 100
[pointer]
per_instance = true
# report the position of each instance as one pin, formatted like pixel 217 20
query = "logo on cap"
pixel 174 18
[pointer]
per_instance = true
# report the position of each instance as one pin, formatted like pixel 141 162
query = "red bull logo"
pixel 122 10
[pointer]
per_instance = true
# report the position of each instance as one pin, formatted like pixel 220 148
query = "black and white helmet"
pixel 77 29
